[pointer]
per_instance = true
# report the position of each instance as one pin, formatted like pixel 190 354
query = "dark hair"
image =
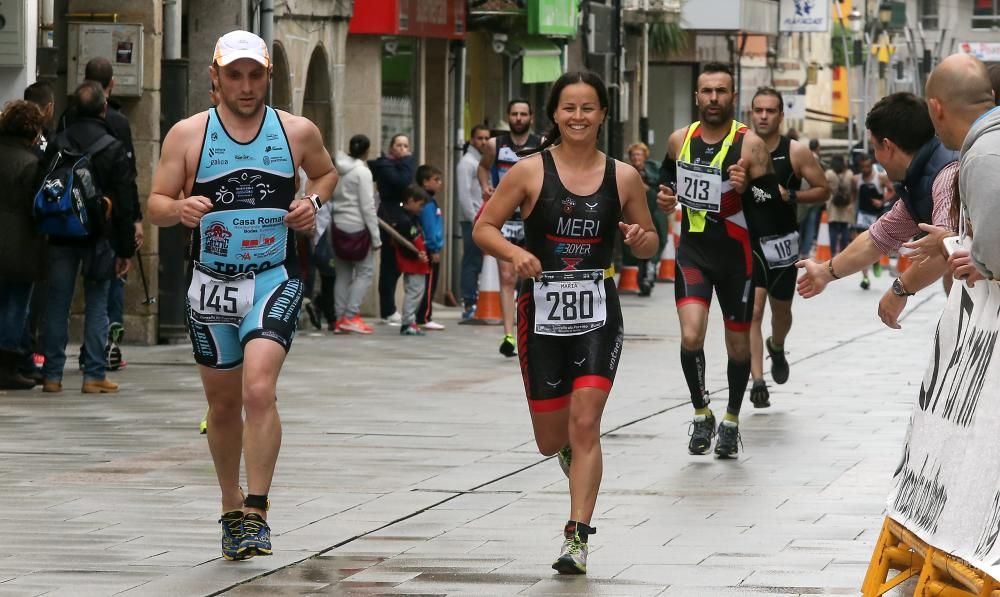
pixel 813 144
pixel 358 145
pixel 552 104
pixel 426 172
pixel 477 128
pixel 903 119
pixel 865 157
pixel 99 69
pixel 773 93
pixel 21 119
pixel 838 164
pixel 415 192
pixel 518 100
pixel 719 67
pixel 39 93
pixel 392 140
pixel 994 72
pixel 89 100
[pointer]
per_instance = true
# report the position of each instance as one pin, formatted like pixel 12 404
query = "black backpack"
pixel 69 195
pixel 841 196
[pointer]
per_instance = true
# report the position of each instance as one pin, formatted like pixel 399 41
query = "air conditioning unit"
pixel 12 33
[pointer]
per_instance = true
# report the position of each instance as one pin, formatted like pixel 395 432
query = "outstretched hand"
pixel 814 278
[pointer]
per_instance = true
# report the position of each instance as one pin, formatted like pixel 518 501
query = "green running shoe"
pixel 565 459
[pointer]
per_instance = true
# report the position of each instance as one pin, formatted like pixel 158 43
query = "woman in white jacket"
pixel 354 211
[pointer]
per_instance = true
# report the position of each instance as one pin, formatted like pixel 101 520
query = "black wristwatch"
pixel 899 290
pixel 792 193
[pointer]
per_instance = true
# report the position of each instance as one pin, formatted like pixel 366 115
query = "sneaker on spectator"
pixel 410 330
pixel 394 319
pixel 338 326
pixel 469 312
pixel 433 326
pixel 356 325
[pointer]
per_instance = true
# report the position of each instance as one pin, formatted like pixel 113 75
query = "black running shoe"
pixel 256 540
pixel 779 364
pixel 232 533
pixel 312 311
pixel 727 446
pixel 759 395
pixel 702 430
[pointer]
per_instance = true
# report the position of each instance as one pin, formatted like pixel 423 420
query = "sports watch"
pixel 899 290
pixel 314 200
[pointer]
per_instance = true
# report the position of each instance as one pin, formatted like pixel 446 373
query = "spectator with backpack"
pixel 20 245
pixel 85 161
pixel 839 208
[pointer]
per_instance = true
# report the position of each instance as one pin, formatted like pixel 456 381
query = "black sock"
pixel 584 530
pixel 738 373
pixel 693 366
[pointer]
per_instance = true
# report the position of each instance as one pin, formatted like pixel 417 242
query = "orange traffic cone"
pixel 884 261
pixel 488 311
pixel 903 263
pixel 668 265
pixel 823 240
pixel 628 281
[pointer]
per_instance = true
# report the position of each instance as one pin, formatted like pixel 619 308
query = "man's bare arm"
pixel 316 162
pixel 485 164
pixel 808 168
pixel 170 177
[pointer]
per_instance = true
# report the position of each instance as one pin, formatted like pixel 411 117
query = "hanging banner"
pixel 804 16
pixel 946 489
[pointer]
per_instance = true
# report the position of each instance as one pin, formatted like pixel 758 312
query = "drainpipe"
pixel 267 23
pixel 47 24
pixel 172 16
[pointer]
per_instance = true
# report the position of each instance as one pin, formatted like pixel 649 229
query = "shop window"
pixel 985 14
pixel 928 13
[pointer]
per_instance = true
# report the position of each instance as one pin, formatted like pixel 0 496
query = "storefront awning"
pixel 541 60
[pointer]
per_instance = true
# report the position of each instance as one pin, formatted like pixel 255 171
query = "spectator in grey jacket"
pixel 961 105
pixel 470 199
pixel 354 211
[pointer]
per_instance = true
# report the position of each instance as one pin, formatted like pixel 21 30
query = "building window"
pixel 985 14
pixel 929 14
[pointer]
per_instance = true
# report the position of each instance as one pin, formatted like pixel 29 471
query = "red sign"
pixel 413 18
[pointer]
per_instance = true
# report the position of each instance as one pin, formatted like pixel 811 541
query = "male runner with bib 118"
pixel 499 156
pixel 573 199
pixel 229 173
pixel 775 229
pixel 713 168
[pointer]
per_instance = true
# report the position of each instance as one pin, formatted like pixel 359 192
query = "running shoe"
pixel 203 426
pixel 877 269
pixel 573 556
pixel 411 330
pixel 565 459
pixel 112 350
pixel 865 283
pixel 727 446
pixel 508 347
pixel 256 539
pixel 759 395
pixel 355 325
pixel 313 312
pixel 433 326
pixel 232 534
pixel 469 312
pixel 702 430
pixel 779 364
pixel 394 319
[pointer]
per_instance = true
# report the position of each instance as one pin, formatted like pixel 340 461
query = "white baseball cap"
pixel 241 44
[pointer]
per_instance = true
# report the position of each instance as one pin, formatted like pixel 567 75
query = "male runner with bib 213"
pixel 229 173
pixel 775 231
pixel 713 168
pixel 569 323
pixel 499 156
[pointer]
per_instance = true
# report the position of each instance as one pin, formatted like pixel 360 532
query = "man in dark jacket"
pixel 393 172
pixel 114 177
pixel 100 70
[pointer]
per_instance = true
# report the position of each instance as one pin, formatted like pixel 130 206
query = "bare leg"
pixel 262 434
pixel 508 280
pixel 781 321
pixel 587 467
pixel 756 335
pixel 224 392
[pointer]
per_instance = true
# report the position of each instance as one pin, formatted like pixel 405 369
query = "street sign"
pixel 804 16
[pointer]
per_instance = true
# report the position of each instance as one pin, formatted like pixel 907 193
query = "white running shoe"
pixel 573 556
pixel 433 326
pixel 394 319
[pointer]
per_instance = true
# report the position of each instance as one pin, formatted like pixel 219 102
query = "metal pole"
pixel 847 66
pixel 172 16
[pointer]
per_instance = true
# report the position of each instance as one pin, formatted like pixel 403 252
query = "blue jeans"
pixel 116 301
pixel 808 229
pixel 14 300
pixel 472 264
pixel 840 236
pixel 64 264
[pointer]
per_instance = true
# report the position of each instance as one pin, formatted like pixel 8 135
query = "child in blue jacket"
pixel 431 220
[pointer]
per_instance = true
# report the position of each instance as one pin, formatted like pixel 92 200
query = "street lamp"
pixel 884 14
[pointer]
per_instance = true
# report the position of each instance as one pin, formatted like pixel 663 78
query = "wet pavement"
pixel 408 468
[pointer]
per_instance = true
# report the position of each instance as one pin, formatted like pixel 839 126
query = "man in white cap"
pixel 229 174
